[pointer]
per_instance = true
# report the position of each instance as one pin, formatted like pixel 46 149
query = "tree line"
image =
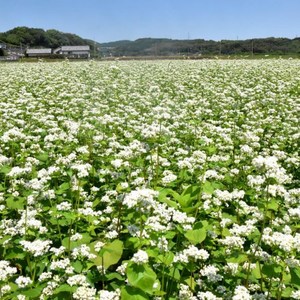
pixel 169 47
pixel 36 37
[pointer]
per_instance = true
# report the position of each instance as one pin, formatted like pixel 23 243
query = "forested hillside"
pixel 36 37
pixel 165 47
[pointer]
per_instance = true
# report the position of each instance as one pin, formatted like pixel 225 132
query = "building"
pixel 38 52
pixel 74 51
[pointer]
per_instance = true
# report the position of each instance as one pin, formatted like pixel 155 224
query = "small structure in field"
pixel 73 51
pixel 31 52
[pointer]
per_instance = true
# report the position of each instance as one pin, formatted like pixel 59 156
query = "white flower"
pixel 5 270
pixel 185 293
pixel 98 246
pixel 77 279
pixel 76 237
pixel 5 289
pixel 295 294
pixel 140 257
pixel 168 177
pixel 241 293
pixel 210 272
pixel 207 296
pixel 64 206
pixel 37 247
pixel 60 264
pixel 191 253
pixel 107 295
pixel 23 281
pixel 233 241
pixel 143 198
pixel 122 269
pixel 82 169
pixel 45 275
pixel 83 251
pixel 85 293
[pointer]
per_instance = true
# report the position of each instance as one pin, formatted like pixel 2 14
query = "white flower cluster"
pixel 190 254
pixel 211 272
pixel 107 295
pixel 37 247
pixel 6 270
pixel 241 292
pixel 23 281
pixel 140 257
pixel 85 293
pixel 284 241
pixel 83 251
pixel 168 177
pixel 143 199
pixel 271 168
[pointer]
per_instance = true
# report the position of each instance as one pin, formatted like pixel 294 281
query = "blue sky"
pixel 111 20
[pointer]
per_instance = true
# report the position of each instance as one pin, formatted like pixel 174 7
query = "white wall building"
pixel 74 51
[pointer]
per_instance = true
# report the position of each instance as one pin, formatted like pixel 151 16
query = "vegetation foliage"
pixel 150 180
pixel 35 37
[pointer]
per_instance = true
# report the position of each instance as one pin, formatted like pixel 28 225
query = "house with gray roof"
pixel 31 52
pixel 74 51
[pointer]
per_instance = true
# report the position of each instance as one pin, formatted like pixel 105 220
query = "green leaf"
pixel 15 253
pixel 256 271
pixel 62 188
pixel 163 196
pixel 295 276
pixel 5 169
pixel 65 288
pixel 196 236
pixel 34 292
pixel 273 205
pixel 207 188
pixel 131 293
pixel 210 187
pixel 77 265
pixel 239 258
pixel 141 276
pixel 43 157
pixel 191 283
pixel 173 273
pixel 286 293
pixel 271 270
pixel 110 254
pixel 15 203
pixel 166 258
pixel 114 275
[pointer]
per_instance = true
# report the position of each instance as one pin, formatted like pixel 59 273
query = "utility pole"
pixel 252 47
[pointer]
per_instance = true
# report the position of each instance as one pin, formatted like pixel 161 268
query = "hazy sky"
pixel 111 20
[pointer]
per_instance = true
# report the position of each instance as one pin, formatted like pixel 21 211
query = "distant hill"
pixel 169 47
pixel 36 37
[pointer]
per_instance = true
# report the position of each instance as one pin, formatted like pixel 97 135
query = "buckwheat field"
pixel 150 180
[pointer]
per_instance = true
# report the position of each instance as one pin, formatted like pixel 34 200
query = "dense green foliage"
pixel 36 37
